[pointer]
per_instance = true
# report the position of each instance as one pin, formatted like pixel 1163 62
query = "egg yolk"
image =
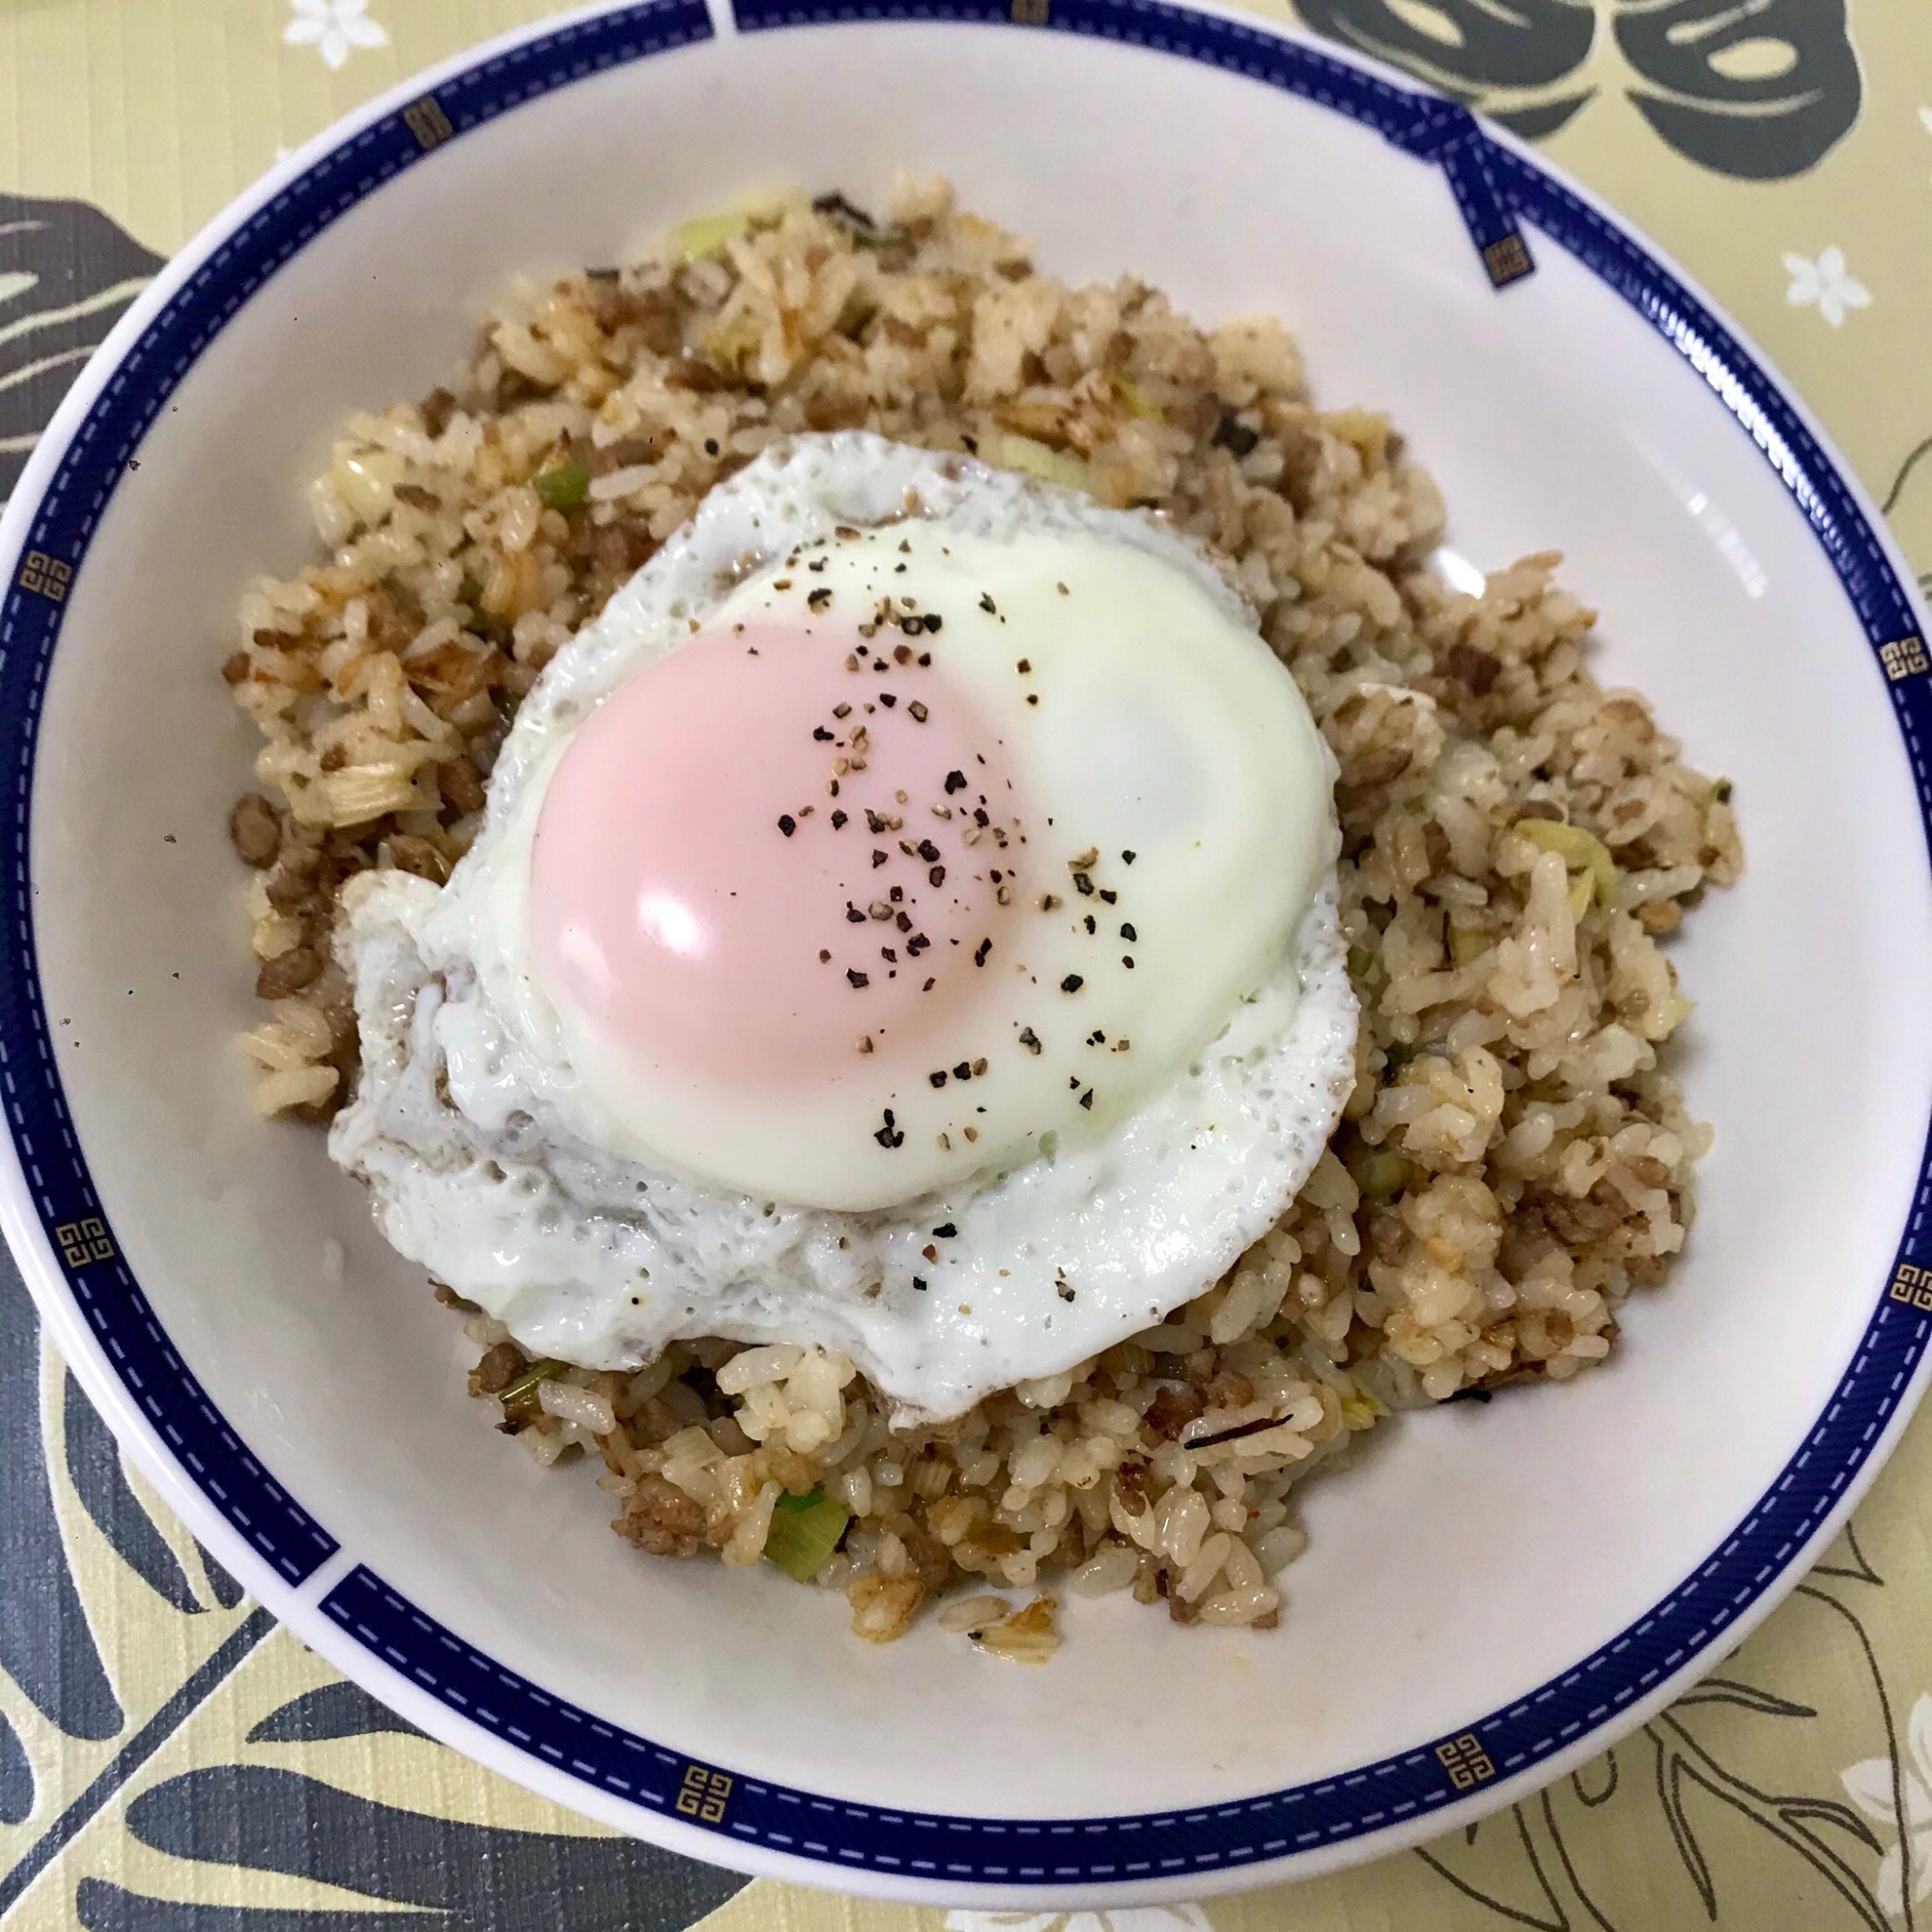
pixel 777 848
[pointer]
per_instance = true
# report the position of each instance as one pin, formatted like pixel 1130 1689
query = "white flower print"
pixel 1122 1919
pixel 1869 1784
pixel 1826 285
pixel 334 28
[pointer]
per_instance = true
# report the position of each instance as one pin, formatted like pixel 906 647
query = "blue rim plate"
pixel 1514 206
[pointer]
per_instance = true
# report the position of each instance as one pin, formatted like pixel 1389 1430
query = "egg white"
pixel 499 1167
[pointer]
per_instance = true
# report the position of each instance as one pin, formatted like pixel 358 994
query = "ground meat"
pixel 287 973
pixel 498 1369
pixel 1172 1408
pixel 661 1519
pixel 255 829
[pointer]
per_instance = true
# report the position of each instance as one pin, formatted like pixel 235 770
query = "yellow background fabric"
pixel 171 1762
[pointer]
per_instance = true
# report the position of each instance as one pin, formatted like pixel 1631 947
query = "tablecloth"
pixel 172 1761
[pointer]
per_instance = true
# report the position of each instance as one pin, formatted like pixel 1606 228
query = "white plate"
pixel 1492 1593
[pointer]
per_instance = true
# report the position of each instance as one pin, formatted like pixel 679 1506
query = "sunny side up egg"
pixel 904 921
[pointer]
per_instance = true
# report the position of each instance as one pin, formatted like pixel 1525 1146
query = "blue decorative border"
pixel 1495 189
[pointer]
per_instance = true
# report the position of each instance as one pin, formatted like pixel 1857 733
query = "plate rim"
pixel 316 1588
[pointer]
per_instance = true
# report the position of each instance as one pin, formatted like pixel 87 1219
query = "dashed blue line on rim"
pixel 1494 187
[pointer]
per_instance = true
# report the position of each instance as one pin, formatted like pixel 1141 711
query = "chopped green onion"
pixel 1360 962
pixel 563 488
pixel 708 233
pixel 1136 398
pixel 1050 465
pixel 1385 1173
pixel 1582 851
pixel 519 1396
pixel 805 1531
pixel 1466 943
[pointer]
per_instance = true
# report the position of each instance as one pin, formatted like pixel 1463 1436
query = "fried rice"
pixel 1516 1158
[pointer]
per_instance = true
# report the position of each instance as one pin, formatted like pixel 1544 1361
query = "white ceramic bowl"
pixel 1491 1593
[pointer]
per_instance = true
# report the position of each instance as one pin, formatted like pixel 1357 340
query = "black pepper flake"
pixel 857 977
pixel 1063 1287
pixel 878 857
pixel 987 605
pixel 1088 923
pixel 853 914
pixel 1072 984
pixel 925 658
pixel 1047 902
pixel 930 985
pixel 945 1232
pixel 821 734
pixel 891 957
pixel 979 816
pixel 1128 858
pixel 955 782
pixel 1128 960
pixel 903 921
pixel 1109 898
pixel 979 952
pixel 1083 885
pixel 711 446
pixel 1086 1099
pixel 837 821
pixel 928 850
pixel 1029 1039
pixel 887 699
pixel 963 1071
pixel 783 584
pixel 889 1136
pixel 919 1284
pixel 787 824
pixel 1025 667
pixel 824 957
pixel 937 876
pixel 1128 931
pixel 917 945
pixel 919 712
pixel 1033 698
pixel 936 1078
pixel 817 600
pixel 934 621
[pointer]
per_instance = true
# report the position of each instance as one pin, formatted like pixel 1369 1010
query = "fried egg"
pixel 903 921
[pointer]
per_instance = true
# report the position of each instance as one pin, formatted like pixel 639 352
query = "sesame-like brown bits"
pixel 1029 1039
pixel 919 712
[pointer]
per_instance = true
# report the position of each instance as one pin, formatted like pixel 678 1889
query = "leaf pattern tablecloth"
pixel 171 1761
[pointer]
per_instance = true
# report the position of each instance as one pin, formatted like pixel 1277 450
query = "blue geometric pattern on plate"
pixel 1498 190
